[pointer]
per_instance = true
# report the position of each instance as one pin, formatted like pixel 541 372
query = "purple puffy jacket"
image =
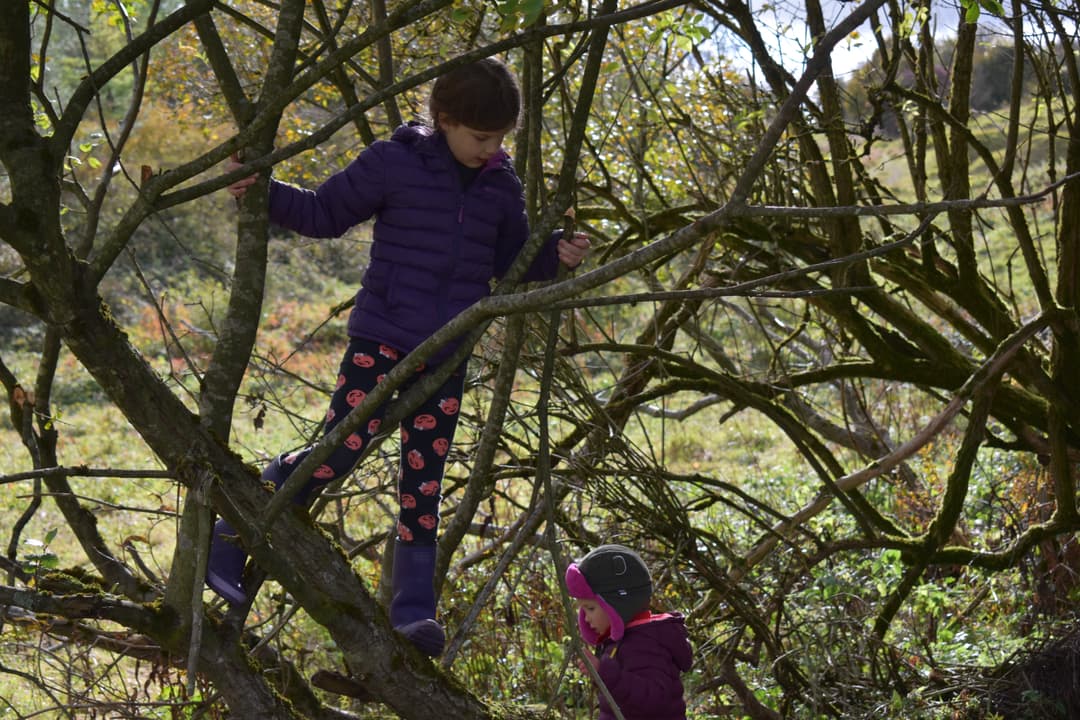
pixel 436 245
pixel 641 671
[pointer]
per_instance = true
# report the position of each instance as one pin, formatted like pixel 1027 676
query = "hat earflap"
pixel 579 589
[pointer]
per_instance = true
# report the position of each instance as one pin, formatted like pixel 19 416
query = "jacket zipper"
pixel 456 256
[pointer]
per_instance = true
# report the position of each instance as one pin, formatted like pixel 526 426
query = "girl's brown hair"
pixel 483 95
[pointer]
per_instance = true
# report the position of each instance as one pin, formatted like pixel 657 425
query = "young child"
pixel 638 655
pixel 449 216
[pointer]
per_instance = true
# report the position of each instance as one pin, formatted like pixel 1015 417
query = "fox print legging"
pixel 426 436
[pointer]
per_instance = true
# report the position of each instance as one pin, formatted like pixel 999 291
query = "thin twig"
pixel 84 471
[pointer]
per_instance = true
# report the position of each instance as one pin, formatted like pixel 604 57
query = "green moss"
pixel 72 580
pixel 506 711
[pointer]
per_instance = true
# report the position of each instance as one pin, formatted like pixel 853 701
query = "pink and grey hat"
pixel 617 579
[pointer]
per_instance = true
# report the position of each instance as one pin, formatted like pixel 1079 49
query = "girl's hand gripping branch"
pixel 573 250
pixel 239 187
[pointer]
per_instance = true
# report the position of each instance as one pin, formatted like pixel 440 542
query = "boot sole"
pixel 225 589
pixel 426 635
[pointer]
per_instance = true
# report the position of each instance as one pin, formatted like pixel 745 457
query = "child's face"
pixel 595 616
pixel 472 148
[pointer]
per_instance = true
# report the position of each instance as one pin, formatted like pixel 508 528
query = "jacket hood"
pixel 669 632
pixel 412 132
pixel 430 141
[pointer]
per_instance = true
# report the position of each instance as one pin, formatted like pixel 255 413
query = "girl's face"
pixel 472 148
pixel 595 616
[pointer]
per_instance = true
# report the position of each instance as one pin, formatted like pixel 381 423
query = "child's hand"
pixel 238 188
pixel 593 660
pixel 572 251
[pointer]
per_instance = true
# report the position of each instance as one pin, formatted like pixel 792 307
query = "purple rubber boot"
pixel 225 568
pixel 412 609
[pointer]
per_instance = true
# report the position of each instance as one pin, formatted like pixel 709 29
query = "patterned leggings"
pixel 426 436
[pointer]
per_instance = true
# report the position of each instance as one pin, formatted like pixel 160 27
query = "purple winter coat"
pixel 436 245
pixel 641 671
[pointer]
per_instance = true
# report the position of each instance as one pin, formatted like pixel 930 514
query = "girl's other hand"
pixel 238 188
pixel 572 251
pixel 593 660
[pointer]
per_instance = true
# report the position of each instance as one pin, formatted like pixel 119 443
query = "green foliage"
pixel 40 559
pixel 973 8
pixel 516 13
